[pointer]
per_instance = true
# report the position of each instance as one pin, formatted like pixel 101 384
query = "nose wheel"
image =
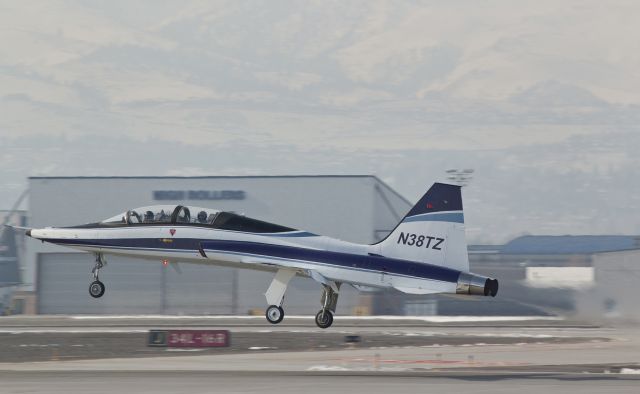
pixel 275 295
pixel 274 314
pixel 96 289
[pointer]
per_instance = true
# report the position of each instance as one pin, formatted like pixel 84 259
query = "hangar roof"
pixel 570 244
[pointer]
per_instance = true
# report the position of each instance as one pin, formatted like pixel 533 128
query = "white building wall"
pixel 614 296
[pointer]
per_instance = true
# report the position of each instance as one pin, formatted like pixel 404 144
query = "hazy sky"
pixel 541 98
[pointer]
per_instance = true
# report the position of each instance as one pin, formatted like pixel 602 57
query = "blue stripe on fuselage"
pixel 167 244
pixel 338 259
pixel 344 260
pixel 296 234
pixel 456 217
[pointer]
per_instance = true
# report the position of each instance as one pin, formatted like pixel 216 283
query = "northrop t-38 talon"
pixel 426 252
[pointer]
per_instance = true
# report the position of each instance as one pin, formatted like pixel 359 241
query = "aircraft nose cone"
pixel 28 232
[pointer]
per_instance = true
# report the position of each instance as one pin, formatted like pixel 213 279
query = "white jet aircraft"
pixel 426 252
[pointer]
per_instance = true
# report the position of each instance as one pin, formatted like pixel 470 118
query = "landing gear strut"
pixel 96 288
pixel 275 295
pixel 329 300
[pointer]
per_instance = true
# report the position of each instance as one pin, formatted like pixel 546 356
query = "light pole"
pixel 460 177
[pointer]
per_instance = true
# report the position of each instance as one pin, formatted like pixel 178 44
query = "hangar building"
pixel 353 208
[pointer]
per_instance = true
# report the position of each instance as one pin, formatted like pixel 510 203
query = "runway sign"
pixel 189 338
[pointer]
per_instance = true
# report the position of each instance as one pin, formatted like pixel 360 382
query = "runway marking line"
pixel 374 360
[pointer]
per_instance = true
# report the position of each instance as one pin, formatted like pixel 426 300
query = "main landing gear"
pixel 329 300
pixel 96 288
pixel 324 318
pixel 275 297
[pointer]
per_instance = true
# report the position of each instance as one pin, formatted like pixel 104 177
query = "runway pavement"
pixel 85 337
pixel 395 355
pixel 284 383
pixel 44 322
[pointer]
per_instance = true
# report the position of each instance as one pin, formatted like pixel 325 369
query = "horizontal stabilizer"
pixel 415 290
pixel 18 227
pixel 431 288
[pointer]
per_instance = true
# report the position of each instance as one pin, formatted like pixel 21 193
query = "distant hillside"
pixel 541 98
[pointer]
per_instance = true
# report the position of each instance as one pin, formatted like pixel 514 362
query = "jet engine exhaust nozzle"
pixel 471 284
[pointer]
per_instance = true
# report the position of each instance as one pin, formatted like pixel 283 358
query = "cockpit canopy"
pixel 180 214
pixel 165 214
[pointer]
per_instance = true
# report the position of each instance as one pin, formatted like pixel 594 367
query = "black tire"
pixel 274 314
pixel 96 289
pixel 324 319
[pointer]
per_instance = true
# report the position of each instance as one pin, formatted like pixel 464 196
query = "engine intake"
pixel 472 284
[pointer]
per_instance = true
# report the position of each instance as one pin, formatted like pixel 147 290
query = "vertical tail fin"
pixel 432 232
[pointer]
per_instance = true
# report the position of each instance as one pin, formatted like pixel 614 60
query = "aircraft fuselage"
pixel 426 252
pixel 302 251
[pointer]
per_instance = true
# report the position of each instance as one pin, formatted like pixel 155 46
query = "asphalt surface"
pixel 238 382
pixel 40 322
pixel 56 345
pixel 97 354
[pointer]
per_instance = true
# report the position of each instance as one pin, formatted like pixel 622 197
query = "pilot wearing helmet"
pixel 162 217
pixel 202 217
pixel 148 217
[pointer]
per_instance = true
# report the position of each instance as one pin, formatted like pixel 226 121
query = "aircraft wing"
pixel 257 262
pixel 253 253
pixel 293 265
pixel 282 257
pixel 366 289
pixel 269 262
pixel 294 259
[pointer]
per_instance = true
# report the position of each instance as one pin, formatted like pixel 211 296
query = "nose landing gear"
pixel 96 288
pixel 275 295
pixel 275 314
